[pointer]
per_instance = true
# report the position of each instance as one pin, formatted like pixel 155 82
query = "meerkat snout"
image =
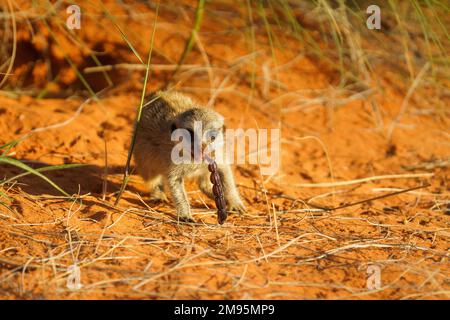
pixel 153 154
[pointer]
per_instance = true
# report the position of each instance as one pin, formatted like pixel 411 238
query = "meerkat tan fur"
pixel 153 149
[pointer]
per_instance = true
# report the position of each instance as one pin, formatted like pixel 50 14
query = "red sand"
pixel 278 250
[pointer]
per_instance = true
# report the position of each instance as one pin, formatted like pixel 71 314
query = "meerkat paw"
pixel 184 215
pixel 186 218
pixel 237 205
pixel 158 196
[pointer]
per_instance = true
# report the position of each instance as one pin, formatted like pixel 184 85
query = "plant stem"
pixel 190 43
pixel 139 112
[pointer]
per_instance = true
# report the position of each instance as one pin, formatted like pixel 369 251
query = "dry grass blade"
pixel 14 48
pixel 363 180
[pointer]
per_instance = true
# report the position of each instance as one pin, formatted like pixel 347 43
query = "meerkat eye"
pixel 213 134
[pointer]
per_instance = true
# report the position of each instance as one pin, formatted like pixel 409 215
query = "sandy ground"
pixel 283 247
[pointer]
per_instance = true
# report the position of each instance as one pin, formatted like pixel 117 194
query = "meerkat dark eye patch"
pixel 191 134
pixel 173 127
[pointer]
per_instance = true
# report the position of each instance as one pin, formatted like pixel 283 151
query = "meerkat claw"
pixel 159 197
pixel 238 207
pixel 186 219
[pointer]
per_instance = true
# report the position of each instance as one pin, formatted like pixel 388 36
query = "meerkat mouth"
pixel 202 153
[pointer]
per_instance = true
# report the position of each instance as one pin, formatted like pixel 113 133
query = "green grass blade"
pixel 4 195
pixel 190 43
pixel 124 36
pixel 27 168
pixel 45 169
pixel 4 149
pixel 3 203
pixel 139 111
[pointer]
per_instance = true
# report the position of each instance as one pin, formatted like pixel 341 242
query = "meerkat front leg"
pixel 179 196
pixel 156 188
pixel 232 197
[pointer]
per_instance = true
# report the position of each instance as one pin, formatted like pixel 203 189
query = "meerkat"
pixel 167 112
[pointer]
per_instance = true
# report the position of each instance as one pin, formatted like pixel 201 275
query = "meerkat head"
pixel 204 126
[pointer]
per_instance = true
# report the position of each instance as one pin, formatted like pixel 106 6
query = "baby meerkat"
pixel 153 151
